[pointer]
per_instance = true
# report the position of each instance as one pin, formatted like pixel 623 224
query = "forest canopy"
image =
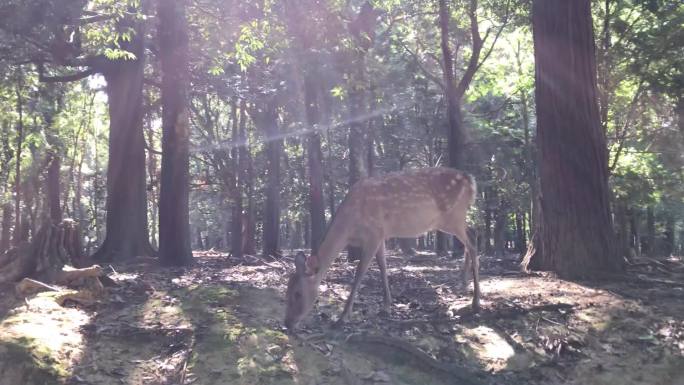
pixel 283 105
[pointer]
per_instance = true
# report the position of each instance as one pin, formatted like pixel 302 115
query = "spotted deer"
pixel 403 205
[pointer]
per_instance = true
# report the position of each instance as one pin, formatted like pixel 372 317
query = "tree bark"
pixel 455 92
pixel 500 226
pixel 315 161
pixel 53 189
pixel 247 185
pixel 267 121
pixel 575 233
pixel 648 242
pixel 669 235
pixel 237 212
pixel 634 233
pixel 174 191
pixel 127 232
pixel 6 225
pixel 17 167
pixel 357 134
pixel 520 239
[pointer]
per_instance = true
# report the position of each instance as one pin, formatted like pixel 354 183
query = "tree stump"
pixel 46 264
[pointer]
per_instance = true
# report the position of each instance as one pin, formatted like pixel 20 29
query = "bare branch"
pixel 63 78
pixel 424 70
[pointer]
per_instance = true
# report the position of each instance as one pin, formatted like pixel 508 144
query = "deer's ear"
pixel 300 263
pixel 312 265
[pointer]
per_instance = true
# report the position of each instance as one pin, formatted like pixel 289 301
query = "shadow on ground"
pixel 219 322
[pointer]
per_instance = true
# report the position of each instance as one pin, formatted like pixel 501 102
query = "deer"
pixel 402 204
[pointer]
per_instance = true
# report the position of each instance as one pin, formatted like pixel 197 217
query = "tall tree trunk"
pixel 6 225
pixel 575 234
pixel 455 92
pixel 500 226
pixel 669 235
pixel 152 188
pixel 315 161
pixel 357 134
pixel 488 217
pixel 326 107
pixel 199 240
pixel 238 172
pixel 520 239
pixel 634 233
pixel 249 238
pixel 53 189
pixel 648 242
pixel 127 233
pixel 17 166
pixel 622 234
pixel 174 190
pixel 267 121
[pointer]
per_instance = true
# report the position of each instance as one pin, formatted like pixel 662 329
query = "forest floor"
pixel 220 322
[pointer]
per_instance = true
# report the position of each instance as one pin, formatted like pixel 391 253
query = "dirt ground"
pixel 220 322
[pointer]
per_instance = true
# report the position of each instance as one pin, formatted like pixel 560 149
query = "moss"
pixel 23 361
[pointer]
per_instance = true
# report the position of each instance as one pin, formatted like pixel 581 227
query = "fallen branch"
pixel 642 278
pixel 29 286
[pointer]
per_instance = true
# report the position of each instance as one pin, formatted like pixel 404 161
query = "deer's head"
pixel 302 289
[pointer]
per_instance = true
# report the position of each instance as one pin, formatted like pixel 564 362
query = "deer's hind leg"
pixel 471 261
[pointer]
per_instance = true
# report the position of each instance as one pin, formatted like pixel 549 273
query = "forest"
pixel 342 192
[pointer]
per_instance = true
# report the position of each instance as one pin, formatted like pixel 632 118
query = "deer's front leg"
pixel 361 269
pixel 382 263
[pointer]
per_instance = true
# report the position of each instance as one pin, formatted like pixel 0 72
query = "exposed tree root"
pixel 455 374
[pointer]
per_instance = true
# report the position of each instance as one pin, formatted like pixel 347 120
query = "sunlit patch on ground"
pixel 40 341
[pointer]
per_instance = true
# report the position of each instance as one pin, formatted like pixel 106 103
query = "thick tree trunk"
pixel 635 234
pixel 127 233
pixel 622 230
pixel 455 92
pixel 174 190
pixel 198 239
pixel 669 235
pixel 153 187
pixel 249 232
pixel 267 121
pixel 5 238
pixel 17 238
pixel 520 239
pixel 53 189
pixel 648 242
pixel 315 161
pixel 238 166
pixel 357 134
pixel 575 234
pixel 500 226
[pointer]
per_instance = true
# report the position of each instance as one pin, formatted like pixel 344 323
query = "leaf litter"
pixel 220 322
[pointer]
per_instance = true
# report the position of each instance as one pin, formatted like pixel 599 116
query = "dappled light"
pixel 361 192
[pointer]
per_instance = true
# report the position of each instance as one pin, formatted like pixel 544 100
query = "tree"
pixel 574 234
pixel 174 220
pixel 127 233
pixel 266 119
pixel 304 36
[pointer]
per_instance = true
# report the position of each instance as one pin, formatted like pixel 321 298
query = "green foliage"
pixel 259 52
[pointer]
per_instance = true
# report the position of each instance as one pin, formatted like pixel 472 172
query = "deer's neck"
pixel 335 240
